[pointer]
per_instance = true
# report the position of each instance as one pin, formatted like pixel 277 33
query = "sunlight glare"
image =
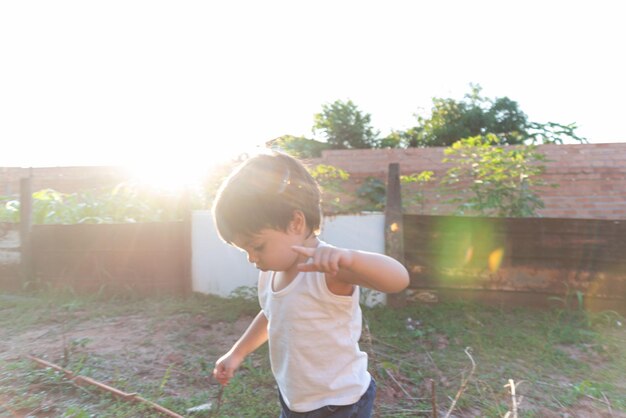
pixel 173 177
pixel 176 174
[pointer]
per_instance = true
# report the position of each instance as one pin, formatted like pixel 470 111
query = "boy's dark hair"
pixel 263 192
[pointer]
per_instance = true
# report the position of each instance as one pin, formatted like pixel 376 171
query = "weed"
pixel 76 412
pixel 561 355
pixel 166 377
pixel 566 300
pixel 247 293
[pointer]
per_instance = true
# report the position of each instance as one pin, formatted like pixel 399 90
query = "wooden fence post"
pixel 394 230
pixel 186 207
pixel 26 210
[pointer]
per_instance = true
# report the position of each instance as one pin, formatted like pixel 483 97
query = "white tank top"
pixel 313 342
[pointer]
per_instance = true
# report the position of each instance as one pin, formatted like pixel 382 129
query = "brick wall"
pixel 591 178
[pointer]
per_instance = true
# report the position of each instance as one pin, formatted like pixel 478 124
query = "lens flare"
pixel 495 259
pixel 469 254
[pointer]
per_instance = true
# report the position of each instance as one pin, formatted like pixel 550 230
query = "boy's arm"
pixel 254 336
pixel 371 270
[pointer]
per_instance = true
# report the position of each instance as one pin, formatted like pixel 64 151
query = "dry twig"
pixel 131 397
pixel 398 384
pixel 464 383
pixel 511 386
pixel 433 397
pixel 608 404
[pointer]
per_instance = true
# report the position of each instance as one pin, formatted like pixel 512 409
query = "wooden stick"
pixel 408 395
pixel 464 383
pixel 433 397
pixel 129 397
pixel 608 404
pixel 511 386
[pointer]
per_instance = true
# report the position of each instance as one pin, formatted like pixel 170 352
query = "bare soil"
pixel 126 350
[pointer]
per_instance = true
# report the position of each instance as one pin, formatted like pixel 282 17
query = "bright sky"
pixel 146 82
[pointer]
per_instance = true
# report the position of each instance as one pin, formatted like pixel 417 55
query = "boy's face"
pixel 270 249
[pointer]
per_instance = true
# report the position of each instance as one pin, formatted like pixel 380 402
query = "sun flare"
pixel 167 176
pixel 175 174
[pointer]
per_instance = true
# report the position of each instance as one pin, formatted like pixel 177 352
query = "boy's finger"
pixel 333 262
pixel 313 267
pixel 307 267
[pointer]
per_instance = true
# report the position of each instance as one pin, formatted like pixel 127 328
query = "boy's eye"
pixel 258 247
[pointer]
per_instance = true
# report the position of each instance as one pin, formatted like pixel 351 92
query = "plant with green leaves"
pixel 331 180
pixel 9 209
pixel 126 203
pixel 414 197
pixel 329 176
pixel 491 180
pixel 372 193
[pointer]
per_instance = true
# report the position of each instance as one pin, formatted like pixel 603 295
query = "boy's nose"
pixel 252 259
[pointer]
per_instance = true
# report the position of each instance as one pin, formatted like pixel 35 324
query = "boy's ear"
pixel 298 222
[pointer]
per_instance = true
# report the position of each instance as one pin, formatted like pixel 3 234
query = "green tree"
pixel 451 120
pixel 396 139
pixel 298 146
pixel 492 180
pixel 343 126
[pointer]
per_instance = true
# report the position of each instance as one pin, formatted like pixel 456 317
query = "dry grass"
pixel 522 363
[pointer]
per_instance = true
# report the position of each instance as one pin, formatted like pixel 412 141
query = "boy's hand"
pixel 225 367
pixel 325 259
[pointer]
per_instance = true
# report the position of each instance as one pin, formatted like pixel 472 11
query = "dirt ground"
pixel 147 340
pixel 134 348
pixel 184 346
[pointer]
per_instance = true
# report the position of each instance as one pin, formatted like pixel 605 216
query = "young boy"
pixel 308 290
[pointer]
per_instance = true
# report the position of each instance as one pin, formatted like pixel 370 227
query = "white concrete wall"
pixel 365 232
pixel 218 268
